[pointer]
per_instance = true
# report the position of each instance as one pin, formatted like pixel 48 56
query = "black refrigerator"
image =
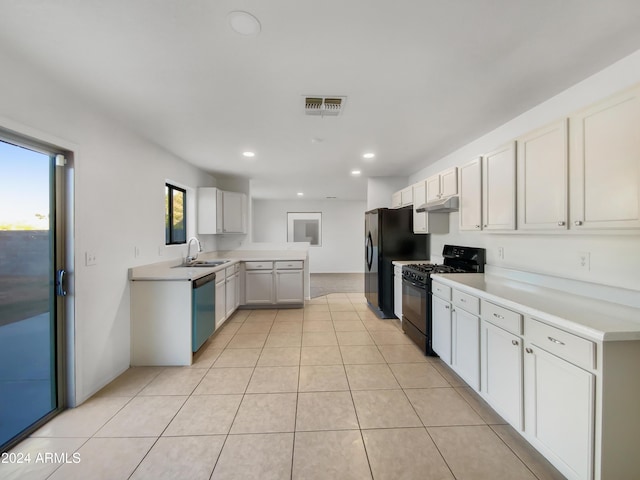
pixel 388 236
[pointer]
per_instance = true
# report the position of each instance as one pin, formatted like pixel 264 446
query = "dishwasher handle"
pixel 198 282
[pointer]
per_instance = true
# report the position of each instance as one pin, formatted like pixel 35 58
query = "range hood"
pixel 443 205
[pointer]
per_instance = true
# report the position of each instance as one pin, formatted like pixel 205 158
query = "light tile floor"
pixel 325 392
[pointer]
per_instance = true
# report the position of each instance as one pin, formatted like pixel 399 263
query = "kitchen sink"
pixel 202 263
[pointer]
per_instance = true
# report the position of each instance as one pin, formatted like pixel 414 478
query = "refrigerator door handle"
pixel 369 251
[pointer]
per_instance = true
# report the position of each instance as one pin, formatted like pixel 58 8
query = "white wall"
pixel 119 204
pixel 380 189
pixel 342 247
pixel 615 258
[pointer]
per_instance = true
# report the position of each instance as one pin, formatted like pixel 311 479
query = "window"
pixel 175 215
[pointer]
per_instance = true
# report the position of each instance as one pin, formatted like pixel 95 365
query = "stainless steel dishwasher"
pixel 203 302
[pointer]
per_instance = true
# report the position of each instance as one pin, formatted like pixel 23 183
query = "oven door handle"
pixel 421 287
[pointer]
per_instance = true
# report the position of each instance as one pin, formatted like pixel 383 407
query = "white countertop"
pixel 169 270
pixel 587 317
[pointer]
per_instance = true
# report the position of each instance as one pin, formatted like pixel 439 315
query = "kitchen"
pixel 112 157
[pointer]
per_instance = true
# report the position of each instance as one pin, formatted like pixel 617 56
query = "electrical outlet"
pixel 501 253
pixel 160 250
pixel 136 252
pixel 90 258
pixel 584 261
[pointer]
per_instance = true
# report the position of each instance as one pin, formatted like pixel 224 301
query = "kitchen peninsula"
pixel 167 310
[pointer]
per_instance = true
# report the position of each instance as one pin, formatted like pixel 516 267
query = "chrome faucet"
pixel 193 258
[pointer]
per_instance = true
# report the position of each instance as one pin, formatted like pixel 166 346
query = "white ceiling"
pixel 422 77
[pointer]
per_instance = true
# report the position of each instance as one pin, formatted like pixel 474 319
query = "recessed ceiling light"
pixel 368 155
pixel 355 172
pixel 300 194
pixel 248 154
pixel 244 23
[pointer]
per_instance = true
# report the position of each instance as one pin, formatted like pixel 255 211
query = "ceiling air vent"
pixel 323 106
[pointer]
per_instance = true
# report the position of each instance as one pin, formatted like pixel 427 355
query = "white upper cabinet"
pixel 233 212
pixel 396 200
pixel 499 188
pixel 402 198
pixel 442 185
pixel 605 164
pixel 419 198
pixel 470 210
pixel 221 212
pixel 542 161
pixel 424 222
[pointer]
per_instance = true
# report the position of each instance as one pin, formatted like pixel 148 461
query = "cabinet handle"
pixel 463 300
pixel 485 226
pixel 498 316
pixel 561 223
pixel 577 223
pixel 528 350
pixel 514 342
pixel 478 226
pixel 555 341
pixel 447 307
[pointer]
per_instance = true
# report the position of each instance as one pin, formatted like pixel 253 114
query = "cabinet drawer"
pixel 575 349
pixel 466 302
pixel 258 265
pixel 442 291
pixel 502 317
pixel 295 264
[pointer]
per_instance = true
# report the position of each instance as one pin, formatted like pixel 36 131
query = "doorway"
pixel 32 287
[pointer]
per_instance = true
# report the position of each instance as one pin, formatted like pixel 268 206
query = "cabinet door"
pixel 499 188
pixel 238 290
pixel 397 291
pixel 233 212
pixel 221 303
pixel 209 210
pixel 501 376
pixel 419 198
pixel 396 200
pixel 470 214
pixel 605 164
pixel 542 178
pixel 259 286
pixel 559 409
pixel 441 328
pixel 449 182
pixel 289 286
pixel 406 196
pixel 466 347
pixel 433 188
pixel 230 290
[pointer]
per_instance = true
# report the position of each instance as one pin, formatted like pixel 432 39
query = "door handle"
pixel 60 276
pixel 369 252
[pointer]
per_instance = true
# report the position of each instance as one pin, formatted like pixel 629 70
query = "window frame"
pixel 171 188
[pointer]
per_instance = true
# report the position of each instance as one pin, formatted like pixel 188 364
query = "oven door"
pixel 414 305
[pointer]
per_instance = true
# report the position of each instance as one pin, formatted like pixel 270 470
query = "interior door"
pixel 30 256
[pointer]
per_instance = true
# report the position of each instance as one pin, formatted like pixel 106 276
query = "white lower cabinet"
pixel 466 346
pixel 274 283
pixel 501 372
pixel 560 411
pixel 230 291
pixel 574 399
pixel 289 286
pixel 397 291
pixel 221 299
pixel 441 328
pixel 258 286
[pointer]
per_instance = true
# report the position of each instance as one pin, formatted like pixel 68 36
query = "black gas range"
pixel 416 290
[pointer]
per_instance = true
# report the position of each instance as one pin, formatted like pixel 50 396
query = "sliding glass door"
pixel 29 320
